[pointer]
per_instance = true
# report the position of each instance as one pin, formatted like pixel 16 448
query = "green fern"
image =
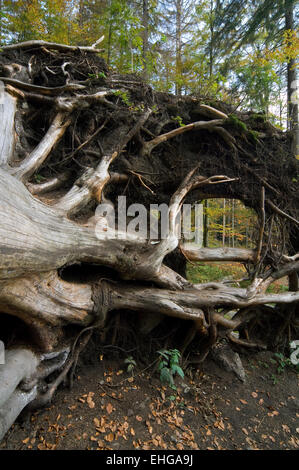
pixel 169 366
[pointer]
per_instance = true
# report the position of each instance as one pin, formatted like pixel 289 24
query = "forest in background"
pixel 227 222
pixel 240 52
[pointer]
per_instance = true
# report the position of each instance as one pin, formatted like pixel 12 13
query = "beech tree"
pixel 75 134
pixel 278 20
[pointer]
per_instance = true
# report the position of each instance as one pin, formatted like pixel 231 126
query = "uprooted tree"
pixel 74 134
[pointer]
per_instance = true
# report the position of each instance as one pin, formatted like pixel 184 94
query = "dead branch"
pixel 151 144
pixel 50 91
pixel 262 226
pixel 244 343
pixel 186 304
pixel 211 112
pixel 8 108
pixel 50 185
pixel 53 46
pixel 55 132
pixel 281 212
pixel 95 181
pixel 238 255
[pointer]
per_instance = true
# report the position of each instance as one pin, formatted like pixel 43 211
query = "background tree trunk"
pixel 293 123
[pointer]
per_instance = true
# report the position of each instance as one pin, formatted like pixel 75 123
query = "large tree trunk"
pixel 292 87
pixel 67 146
pixel 145 38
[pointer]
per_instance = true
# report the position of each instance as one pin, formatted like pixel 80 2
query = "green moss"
pixel 233 121
pixel 253 135
pixel 258 117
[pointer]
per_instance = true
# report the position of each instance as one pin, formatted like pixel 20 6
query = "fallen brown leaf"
pixel 219 425
pixel 109 437
pixel 285 428
pixel 109 408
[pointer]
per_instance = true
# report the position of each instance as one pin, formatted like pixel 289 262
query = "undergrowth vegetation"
pixel 199 273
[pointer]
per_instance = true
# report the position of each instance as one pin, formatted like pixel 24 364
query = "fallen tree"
pixel 75 134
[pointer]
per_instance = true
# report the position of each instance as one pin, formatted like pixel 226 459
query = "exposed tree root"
pixel 77 136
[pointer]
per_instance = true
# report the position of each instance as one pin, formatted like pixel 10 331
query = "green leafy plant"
pixel 282 363
pixel 93 76
pixel 124 96
pixel 139 108
pixel 38 178
pixel 263 364
pixel 274 379
pixel 179 120
pixel 169 366
pixel 276 288
pixel 131 364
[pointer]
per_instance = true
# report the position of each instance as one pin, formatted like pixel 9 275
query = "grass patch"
pixel 209 272
pixel 216 272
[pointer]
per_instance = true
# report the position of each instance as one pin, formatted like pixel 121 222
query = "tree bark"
pixel 292 89
pixel 145 38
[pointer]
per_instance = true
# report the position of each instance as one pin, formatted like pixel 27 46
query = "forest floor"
pixel 230 271
pixel 109 408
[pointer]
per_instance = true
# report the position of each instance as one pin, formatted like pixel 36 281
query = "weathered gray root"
pixel 13 407
pixel 8 106
pixel 20 364
pixel 21 381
